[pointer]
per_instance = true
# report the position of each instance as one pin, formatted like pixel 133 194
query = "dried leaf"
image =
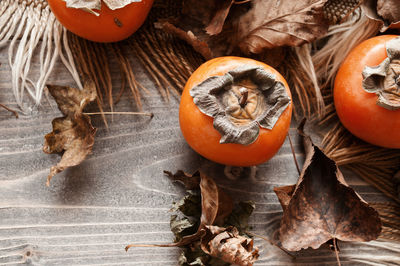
pixel 323 206
pixel 190 181
pixel 389 10
pixel 212 207
pixel 199 46
pixel 198 15
pixel 216 205
pixel 287 23
pixel 229 246
pixel 240 215
pixel 189 205
pixel 182 226
pixel 385 12
pixel 72 134
pixel 217 23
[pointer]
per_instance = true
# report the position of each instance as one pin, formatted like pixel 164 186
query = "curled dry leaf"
pixel 389 10
pixel 189 181
pixel 287 23
pixel 217 23
pixel 198 45
pixel 200 16
pixel 200 212
pixel 216 205
pixel 73 134
pixel 321 206
pixel 229 246
pixel 385 12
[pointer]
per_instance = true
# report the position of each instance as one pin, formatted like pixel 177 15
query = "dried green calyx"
pixel 384 79
pixel 91 5
pixel 241 101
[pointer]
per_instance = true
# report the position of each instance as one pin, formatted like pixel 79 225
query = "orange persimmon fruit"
pixel 109 26
pixel 357 109
pixel 198 129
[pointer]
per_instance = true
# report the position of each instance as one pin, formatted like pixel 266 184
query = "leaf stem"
pixel 336 252
pixel 272 243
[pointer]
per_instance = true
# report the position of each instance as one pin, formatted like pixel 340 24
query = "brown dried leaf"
pixel 385 13
pixel 323 206
pixel 190 181
pixel 276 23
pixel 198 15
pixel 199 46
pixel 389 10
pixel 72 134
pixel 227 245
pixel 216 205
pixel 217 23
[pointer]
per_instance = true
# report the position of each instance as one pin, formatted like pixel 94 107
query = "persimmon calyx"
pixel 92 5
pixel 384 79
pixel 241 101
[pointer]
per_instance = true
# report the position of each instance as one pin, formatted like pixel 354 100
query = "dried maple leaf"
pixel 229 246
pixel 72 134
pixel 274 23
pixel 321 206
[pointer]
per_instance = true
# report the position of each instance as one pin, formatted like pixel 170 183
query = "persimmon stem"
pixel 294 154
pixel 121 113
pixel 245 95
pixel 336 252
pixel 10 110
pixel 271 242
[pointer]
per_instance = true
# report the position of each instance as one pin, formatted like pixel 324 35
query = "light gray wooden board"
pixel 119 195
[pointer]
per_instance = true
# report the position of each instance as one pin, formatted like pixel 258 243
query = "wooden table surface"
pixel 119 195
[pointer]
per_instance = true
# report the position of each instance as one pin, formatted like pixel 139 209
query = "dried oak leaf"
pixel 229 246
pixel 73 134
pixel 321 206
pixel 273 23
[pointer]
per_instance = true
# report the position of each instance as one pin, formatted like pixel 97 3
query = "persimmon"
pixel 367 92
pixel 235 111
pixel 104 25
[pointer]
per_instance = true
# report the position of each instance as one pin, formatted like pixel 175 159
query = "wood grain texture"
pixel 119 195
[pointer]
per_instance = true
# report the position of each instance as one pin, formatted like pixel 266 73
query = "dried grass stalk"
pixel 30 30
pixel 342 39
pixel 300 74
pixel 389 213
